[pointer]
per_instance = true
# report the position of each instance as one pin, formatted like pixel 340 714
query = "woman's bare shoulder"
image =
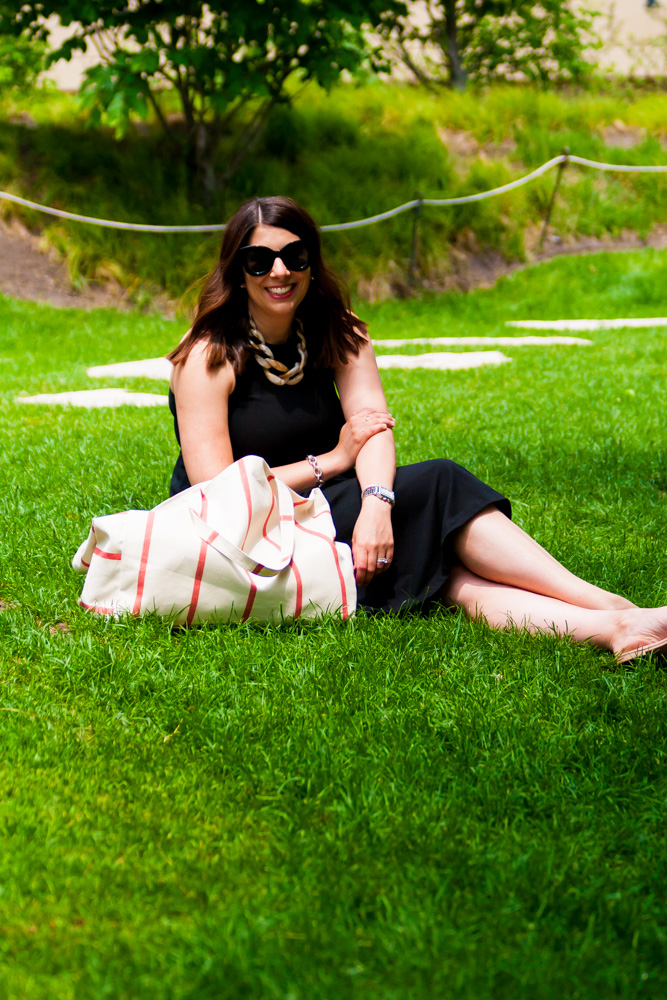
pixel 194 374
pixel 360 328
pixel 365 347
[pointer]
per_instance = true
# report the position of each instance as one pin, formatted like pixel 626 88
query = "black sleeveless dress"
pixel 284 423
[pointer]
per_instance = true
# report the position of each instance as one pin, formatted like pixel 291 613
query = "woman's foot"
pixel 640 632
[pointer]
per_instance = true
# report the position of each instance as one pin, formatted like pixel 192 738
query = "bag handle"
pixel 267 567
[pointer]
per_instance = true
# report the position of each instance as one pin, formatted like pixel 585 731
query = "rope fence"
pixel 416 205
pixel 562 160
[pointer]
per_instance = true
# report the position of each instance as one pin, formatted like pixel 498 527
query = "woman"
pixel 276 365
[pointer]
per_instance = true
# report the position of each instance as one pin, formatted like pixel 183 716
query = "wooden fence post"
pixel 415 239
pixel 561 167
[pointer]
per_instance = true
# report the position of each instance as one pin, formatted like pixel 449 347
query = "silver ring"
pixel 381 561
pixel 367 417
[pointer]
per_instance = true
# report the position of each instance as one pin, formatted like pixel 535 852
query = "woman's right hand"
pixel 362 425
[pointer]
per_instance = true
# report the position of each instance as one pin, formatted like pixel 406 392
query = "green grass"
pixel 392 808
pixel 346 155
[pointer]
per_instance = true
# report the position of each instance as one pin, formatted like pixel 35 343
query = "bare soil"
pixel 474 268
pixel 470 266
pixel 28 271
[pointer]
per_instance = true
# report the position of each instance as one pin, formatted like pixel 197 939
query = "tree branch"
pixel 166 127
pixel 414 68
pixel 250 137
pixel 456 71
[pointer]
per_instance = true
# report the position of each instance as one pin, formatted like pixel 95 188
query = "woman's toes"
pixel 642 634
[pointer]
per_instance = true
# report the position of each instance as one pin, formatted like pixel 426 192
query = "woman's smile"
pixel 273 298
pixel 281 291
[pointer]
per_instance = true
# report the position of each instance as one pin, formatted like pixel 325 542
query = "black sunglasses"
pixel 259 260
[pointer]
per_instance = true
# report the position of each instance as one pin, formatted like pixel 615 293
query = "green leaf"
pixel 222 58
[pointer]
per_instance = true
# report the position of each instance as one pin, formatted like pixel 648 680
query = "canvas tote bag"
pixel 243 545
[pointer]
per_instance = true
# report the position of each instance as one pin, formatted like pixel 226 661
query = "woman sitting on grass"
pixel 276 365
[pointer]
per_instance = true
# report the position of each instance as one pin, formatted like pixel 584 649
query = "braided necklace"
pixel 274 370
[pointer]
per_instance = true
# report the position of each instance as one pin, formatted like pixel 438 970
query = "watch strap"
pixel 381 492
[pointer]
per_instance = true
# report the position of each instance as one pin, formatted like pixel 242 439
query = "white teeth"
pixel 280 290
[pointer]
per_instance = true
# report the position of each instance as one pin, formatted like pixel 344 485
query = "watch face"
pixel 379 491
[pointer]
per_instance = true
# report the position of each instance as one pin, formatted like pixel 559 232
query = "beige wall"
pixel 629 31
pixel 68 75
pixel 634 37
pixel 632 34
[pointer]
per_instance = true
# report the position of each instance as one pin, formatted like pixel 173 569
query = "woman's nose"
pixel 279 270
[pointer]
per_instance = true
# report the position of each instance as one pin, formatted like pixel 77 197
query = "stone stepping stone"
pixel 91 398
pixel 160 368
pixel 484 341
pixel 586 324
pixel 448 360
pixel 156 368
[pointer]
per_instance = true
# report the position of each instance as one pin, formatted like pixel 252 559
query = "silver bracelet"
pixel 381 492
pixel 319 475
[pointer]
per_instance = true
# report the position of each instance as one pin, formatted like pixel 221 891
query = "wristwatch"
pixel 381 492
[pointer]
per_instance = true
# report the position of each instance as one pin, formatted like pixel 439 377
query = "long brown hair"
pixel 332 332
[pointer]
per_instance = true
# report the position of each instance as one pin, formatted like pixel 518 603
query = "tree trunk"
pixel 206 145
pixel 457 74
pixel 202 143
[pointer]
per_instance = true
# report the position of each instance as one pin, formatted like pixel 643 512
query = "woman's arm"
pixel 202 397
pixel 354 434
pixel 361 390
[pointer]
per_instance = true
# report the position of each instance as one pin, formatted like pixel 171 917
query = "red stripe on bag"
pixel 203 549
pixel 144 562
pixel 344 611
pixel 97 608
pixel 273 503
pixel 84 563
pixel 248 499
pixel 106 555
pixel 251 597
pixel 299 590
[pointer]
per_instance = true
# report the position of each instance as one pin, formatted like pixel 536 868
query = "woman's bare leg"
pixel 494 548
pixel 504 606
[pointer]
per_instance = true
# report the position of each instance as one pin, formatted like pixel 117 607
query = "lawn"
pixel 393 807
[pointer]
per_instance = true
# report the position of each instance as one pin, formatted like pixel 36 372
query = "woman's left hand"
pixel 372 540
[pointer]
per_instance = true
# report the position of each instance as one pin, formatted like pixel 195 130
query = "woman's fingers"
pixel 372 541
pixel 361 573
pixel 370 430
pixel 371 556
pixel 383 562
pixel 366 425
pixel 362 425
pixel 367 416
pixel 369 564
